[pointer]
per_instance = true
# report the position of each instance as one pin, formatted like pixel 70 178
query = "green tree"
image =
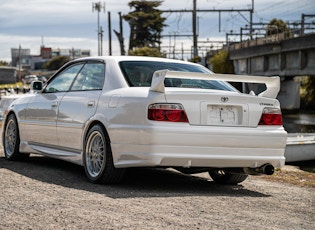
pixel 195 59
pixel 146 24
pixel 56 63
pixel 221 64
pixel 3 63
pixel 277 26
pixel 308 94
pixel 146 51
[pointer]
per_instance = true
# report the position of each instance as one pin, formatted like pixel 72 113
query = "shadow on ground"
pixel 308 166
pixel 138 182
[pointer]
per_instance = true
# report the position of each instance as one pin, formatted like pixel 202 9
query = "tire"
pixel 98 159
pixel 11 140
pixel 221 176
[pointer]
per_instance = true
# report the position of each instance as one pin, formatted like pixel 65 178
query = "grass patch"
pixel 299 178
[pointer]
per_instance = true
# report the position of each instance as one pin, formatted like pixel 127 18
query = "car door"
pixel 79 104
pixel 41 112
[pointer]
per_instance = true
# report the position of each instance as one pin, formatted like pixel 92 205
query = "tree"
pixel 195 59
pixel 146 51
pixel 308 94
pixel 221 63
pixel 56 62
pixel 3 63
pixel 146 24
pixel 277 26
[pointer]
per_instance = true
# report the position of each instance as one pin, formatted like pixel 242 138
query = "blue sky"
pixel 72 24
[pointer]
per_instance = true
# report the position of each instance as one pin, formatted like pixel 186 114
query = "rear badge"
pixel 224 99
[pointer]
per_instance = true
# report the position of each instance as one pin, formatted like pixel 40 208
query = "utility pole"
pixel 19 62
pixel 251 21
pixel 109 34
pixel 194 21
pixel 98 7
pixel 120 36
pixel 121 40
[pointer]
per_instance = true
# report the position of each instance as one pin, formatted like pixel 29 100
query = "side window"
pixel 91 77
pixel 63 80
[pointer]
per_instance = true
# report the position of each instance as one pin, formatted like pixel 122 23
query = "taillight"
pixel 271 116
pixel 167 112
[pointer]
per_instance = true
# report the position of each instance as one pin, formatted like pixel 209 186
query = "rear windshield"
pixel 139 74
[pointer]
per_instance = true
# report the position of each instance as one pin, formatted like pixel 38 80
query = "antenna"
pixel 98 7
pixel 43 41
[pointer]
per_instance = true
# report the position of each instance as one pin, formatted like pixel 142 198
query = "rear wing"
pixel 272 83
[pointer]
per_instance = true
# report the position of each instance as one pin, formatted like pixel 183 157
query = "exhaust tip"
pixel 268 169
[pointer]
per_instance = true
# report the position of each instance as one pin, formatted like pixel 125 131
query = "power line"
pixel 194 19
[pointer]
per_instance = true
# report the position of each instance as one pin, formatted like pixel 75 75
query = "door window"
pixel 63 81
pixel 91 77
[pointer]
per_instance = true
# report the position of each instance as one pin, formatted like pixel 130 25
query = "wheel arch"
pixel 93 123
pixel 5 121
pixel 7 116
pixel 109 174
pixel 11 146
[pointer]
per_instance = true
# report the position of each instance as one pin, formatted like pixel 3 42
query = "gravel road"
pixel 44 193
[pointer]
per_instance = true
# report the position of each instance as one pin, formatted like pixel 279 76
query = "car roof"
pixel 132 58
pixel 119 80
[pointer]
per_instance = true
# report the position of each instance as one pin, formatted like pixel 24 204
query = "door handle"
pixel 54 105
pixel 91 104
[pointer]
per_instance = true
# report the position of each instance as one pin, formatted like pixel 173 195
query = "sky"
pixel 67 24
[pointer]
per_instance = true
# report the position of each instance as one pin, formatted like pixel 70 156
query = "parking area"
pixel 44 193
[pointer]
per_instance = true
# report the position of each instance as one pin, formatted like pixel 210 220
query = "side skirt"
pixel 71 155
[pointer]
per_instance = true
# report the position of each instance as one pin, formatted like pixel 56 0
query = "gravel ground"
pixel 43 193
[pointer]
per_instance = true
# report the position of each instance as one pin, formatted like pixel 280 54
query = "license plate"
pixel 227 115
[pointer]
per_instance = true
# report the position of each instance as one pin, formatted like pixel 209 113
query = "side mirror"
pixel 36 86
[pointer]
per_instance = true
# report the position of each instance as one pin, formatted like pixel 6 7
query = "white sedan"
pixel 112 113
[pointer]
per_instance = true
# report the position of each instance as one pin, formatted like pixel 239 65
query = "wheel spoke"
pixel 10 137
pixel 95 153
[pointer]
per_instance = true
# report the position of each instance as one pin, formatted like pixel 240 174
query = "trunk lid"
pixel 218 107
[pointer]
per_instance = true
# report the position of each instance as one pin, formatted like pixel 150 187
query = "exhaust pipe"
pixel 267 169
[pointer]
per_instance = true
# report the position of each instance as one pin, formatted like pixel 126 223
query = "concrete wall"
pixel 291 57
pixel 273 57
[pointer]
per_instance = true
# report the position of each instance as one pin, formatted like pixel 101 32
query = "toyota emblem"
pixel 224 99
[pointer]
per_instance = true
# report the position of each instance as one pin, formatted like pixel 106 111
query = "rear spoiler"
pixel 272 83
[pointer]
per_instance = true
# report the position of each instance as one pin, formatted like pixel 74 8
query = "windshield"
pixel 139 74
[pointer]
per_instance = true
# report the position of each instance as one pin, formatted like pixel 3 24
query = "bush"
pixel 221 64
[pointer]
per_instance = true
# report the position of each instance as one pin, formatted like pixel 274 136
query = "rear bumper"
pixel 198 146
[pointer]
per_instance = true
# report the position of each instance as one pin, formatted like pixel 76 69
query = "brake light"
pixel 167 112
pixel 271 116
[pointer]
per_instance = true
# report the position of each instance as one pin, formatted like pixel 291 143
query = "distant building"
pixel 45 52
pixel 71 53
pixel 38 62
pixel 22 58
pixel 8 75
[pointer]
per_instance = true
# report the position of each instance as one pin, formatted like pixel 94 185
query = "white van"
pixel 29 78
